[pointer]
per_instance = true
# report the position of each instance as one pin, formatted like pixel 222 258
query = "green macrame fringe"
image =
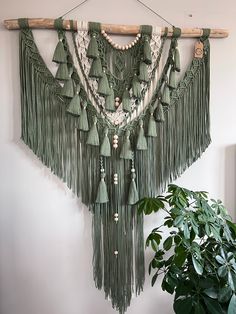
pixel 53 136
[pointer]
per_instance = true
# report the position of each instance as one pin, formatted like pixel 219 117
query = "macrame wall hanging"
pixel 115 128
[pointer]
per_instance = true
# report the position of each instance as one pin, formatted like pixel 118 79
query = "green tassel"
pixel 93 137
pixel 92 51
pixel 83 119
pixel 110 102
pixel 59 55
pixel 74 107
pixel 172 79
pixel 96 69
pixel 62 72
pixel 103 85
pixel 133 193
pixel 105 149
pixel 68 89
pixel 126 105
pixel 177 60
pixel 126 152
pixel 166 95
pixel 152 128
pixel 136 87
pixel 147 53
pixel 141 141
pixel 102 195
pixel 143 72
pixel 159 113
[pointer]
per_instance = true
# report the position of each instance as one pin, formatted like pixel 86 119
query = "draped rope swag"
pixel 115 129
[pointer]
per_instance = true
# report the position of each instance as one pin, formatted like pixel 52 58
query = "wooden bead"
pixel 115 136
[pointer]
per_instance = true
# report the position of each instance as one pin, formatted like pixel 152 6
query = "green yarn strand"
pixel 110 102
pixel 133 193
pixel 74 107
pixel 159 113
pixel 136 87
pixel 172 79
pixel 83 119
pixel 68 89
pixel 102 195
pixel 103 86
pixel 93 137
pixel 152 128
pixel 166 95
pixel 126 105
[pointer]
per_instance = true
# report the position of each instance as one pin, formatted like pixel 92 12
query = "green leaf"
pixel 154 278
pixel 167 243
pixel 211 292
pixel 197 266
pixel 232 305
pixel 183 306
pixel 199 309
pixel 178 221
pixel 231 281
pixel 222 271
pixel 220 259
pixel 186 231
pixel 180 257
pixel 224 294
pixel 213 306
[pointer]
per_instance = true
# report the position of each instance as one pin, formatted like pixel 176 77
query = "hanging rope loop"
pixel 23 23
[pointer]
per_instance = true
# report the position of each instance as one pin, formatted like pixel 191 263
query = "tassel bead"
pixel 93 137
pixel 83 119
pixel 158 113
pixel 166 95
pixel 62 73
pixel 109 102
pixel 126 152
pixel 74 107
pixel 152 128
pixel 105 149
pixel 103 85
pixel 59 55
pixel 96 69
pixel 133 193
pixel 102 195
pixel 92 51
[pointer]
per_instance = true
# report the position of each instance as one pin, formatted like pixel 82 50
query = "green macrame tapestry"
pixel 115 128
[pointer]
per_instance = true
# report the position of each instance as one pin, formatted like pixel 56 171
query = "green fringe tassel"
pixel 92 51
pixel 74 107
pixel 159 113
pixel 68 89
pixel 102 195
pixel 103 85
pixel 105 149
pixel 93 137
pixel 110 102
pixel 59 55
pixel 133 193
pixel 172 79
pixel 147 53
pixel 166 95
pixel 141 141
pixel 96 69
pixel 62 72
pixel 143 72
pixel 177 60
pixel 126 152
pixel 152 128
pixel 126 106
pixel 83 119
pixel 136 87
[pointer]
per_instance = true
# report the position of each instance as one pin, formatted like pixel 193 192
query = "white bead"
pixel 132 170
pixel 132 43
pixel 116 215
pixel 115 182
pixel 138 35
pixel 115 141
pixel 136 38
pixel 115 137
pixel 123 48
pixel 115 145
pixel 102 170
pixel 126 47
pixel 117 99
pixel 129 45
pixel 116 252
pixel 115 175
pixel 116 122
pixel 135 41
pixel 116 219
pixel 117 103
pixel 103 32
pixel 119 47
pixel 105 35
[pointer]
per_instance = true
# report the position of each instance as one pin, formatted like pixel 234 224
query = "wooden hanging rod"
pixel 45 23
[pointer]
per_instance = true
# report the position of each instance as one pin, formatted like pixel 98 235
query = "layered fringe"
pixel 56 139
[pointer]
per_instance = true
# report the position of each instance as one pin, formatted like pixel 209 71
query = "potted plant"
pixel 198 257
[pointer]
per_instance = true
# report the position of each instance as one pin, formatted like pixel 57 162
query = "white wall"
pixel 45 232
